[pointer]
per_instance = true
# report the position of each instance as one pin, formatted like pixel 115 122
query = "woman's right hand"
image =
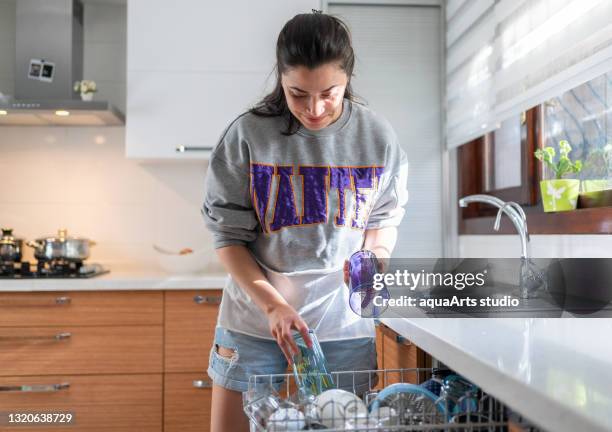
pixel 282 318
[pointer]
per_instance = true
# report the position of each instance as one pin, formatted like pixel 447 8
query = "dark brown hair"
pixel 309 40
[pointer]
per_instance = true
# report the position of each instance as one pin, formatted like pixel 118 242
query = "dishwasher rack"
pixel 268 394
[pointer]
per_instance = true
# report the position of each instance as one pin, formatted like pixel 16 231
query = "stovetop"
pixel 50 270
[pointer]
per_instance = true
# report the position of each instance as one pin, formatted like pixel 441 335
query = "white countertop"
pixel 120 279
pixel 556 372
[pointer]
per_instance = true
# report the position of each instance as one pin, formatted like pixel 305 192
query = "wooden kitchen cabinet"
pixel 190 320
pixel 379 354
pixel 188 81
pixel 95 308
pixel 187 398
pixel 99 403
pixel 107 345
pixel 134 360
pixel 400 353
pixel 80 350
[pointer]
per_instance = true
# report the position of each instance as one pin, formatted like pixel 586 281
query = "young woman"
pixel 293 188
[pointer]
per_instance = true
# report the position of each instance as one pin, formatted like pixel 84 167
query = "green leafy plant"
pixel 564 165
pixel 85 86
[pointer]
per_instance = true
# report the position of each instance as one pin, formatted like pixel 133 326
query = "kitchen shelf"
pixel 580 221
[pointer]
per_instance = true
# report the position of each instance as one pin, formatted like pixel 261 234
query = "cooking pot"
pixel 61 247
pixel 10 247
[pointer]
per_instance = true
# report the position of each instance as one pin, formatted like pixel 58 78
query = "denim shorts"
pixel 256 356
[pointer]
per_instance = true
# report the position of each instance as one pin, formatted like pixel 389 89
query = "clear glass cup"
pixel 363 266
pixel 310 369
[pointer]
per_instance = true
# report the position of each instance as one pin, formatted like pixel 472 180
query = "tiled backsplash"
pixel 79 178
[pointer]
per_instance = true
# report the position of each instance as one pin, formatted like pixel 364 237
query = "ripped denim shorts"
pixel 256 356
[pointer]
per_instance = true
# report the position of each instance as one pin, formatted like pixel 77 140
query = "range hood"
pixel 48 60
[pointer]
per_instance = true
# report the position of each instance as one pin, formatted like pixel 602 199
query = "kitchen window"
pixel 502 163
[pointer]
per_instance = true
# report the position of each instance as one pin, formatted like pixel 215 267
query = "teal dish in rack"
pixel 459 394
pixel 413 397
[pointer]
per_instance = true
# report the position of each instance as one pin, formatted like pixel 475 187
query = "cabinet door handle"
pixel 402 340
pixel 199 299
pixel 55 337
pixel 57 301
pixel 183 149
pixel 202 384
pixel 36 388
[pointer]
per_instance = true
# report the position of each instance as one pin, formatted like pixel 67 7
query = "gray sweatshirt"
pixel 301 204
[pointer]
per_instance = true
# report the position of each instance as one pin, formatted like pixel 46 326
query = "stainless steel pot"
pixel 10 247
pixel 61 247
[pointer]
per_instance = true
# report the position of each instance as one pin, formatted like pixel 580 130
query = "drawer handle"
pixel 62 300
pixel 36 388
pixel 202 384
pixel 183 149
pixel 57 301
pixel 55 337
pixel 199 299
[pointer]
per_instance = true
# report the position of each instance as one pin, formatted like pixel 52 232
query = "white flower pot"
pixel 87 96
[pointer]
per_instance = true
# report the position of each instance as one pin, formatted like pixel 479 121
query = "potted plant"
pixel 87 88
pixel 598 170
pixel 559 194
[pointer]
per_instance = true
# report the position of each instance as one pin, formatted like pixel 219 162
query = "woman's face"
pixel 315 96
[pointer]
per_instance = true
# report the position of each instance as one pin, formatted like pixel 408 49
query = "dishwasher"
pixel 418 399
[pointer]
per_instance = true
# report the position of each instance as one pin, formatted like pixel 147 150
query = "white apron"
pixel 320 297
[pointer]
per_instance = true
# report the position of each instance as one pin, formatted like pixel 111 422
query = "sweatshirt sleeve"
pixel 227 209
pixel 388 210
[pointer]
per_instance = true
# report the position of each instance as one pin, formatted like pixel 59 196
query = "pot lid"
pixel 62 236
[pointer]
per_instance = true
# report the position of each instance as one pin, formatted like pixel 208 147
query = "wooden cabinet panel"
pixel 187 405
pixel 380 347
pixel 380 355
pixel 80 350
pixel 400 353
pixel 33 309
pixel 190 321
pixel 99 403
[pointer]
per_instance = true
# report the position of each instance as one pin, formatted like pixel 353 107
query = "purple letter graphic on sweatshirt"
pixel 261 181
pixel 340 179
pixel 285 211
pixel 364 179
pixel 315 194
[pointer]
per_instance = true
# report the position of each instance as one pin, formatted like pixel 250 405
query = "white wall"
pixel 78 178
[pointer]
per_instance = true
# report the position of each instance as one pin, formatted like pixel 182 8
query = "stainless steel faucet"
pixel 531 279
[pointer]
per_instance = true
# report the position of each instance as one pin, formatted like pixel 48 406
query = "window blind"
pixel 507 56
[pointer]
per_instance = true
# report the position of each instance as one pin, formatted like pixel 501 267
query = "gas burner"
pixel 50 269
pixel 58 267
pixel 15 270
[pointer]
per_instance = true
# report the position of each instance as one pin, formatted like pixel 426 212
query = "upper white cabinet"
pixel 193 66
